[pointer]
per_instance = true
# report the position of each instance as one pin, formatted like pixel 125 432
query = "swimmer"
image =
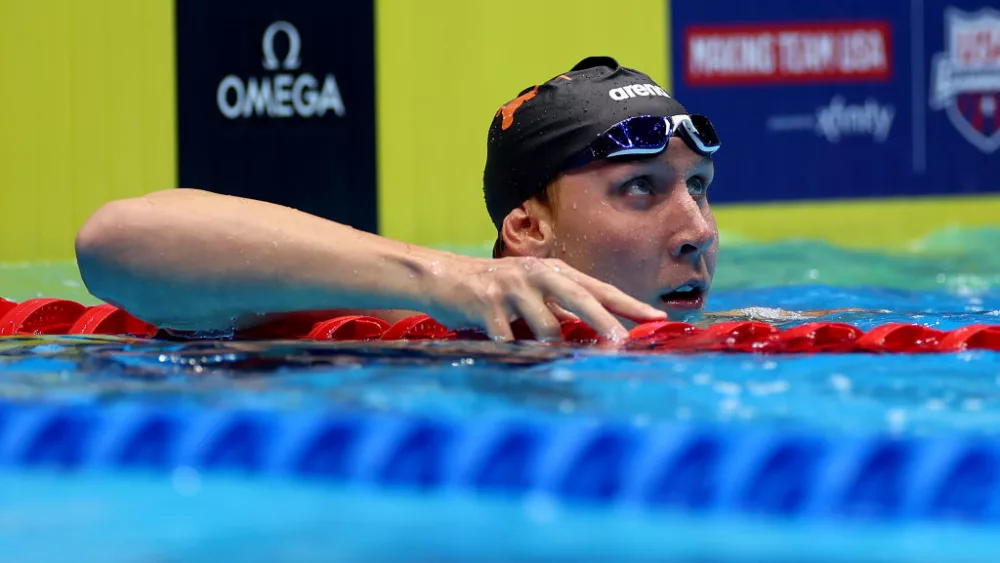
pixel 597 182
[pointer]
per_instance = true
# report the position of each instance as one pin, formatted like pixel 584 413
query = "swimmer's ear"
pixel 527 230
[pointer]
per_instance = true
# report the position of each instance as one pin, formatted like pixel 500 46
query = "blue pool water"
pixel 833 392
pixel 182 513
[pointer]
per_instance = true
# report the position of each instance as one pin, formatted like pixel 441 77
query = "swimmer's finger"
pixel 612 298
pixel 573 297
pixel 543 323
pixel 618 302
pixel 497 325
pixel 560 313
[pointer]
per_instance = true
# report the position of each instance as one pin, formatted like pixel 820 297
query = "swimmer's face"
pixel 644 226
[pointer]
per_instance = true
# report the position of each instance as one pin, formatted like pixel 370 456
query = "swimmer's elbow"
pixel 103 248
pixel 124 224
pixel 101 237
pixel 119 253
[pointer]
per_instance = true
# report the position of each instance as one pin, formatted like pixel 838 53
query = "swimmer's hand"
pixel 491 293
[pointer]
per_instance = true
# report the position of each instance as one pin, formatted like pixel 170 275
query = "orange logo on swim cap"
pixel 508 109
pixel 511 107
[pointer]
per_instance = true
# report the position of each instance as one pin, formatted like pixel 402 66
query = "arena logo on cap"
pixel 966 76
pixel 800 52
pixel 633 90
pixel 283 94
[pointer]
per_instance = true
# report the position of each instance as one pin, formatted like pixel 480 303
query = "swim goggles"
pixel 649 134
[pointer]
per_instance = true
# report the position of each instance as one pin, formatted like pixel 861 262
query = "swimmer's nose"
pixel 695 238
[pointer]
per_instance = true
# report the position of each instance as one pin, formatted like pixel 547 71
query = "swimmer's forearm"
pixel 193 260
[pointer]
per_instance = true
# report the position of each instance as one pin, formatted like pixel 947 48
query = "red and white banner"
pixel 788 53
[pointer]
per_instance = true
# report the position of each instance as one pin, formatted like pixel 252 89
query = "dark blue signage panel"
pixel 276 101
pixel 854 98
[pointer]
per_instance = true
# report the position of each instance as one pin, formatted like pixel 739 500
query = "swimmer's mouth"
pixel 688 296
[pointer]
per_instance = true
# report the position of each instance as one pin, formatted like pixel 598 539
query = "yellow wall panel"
pixel 443 69
pixel 87 114
pixel 872 224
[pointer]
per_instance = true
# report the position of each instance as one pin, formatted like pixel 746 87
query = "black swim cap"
pixel 533 137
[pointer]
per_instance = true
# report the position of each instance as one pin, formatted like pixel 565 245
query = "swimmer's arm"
pixel 194 260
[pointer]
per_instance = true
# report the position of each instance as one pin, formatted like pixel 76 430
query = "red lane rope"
pixel 41 316
pixel 52 316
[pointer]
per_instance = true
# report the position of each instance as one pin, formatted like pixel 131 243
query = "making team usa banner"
pixel 850 99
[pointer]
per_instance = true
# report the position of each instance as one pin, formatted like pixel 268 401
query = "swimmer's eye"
pixel 697 187
pixel 640 186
